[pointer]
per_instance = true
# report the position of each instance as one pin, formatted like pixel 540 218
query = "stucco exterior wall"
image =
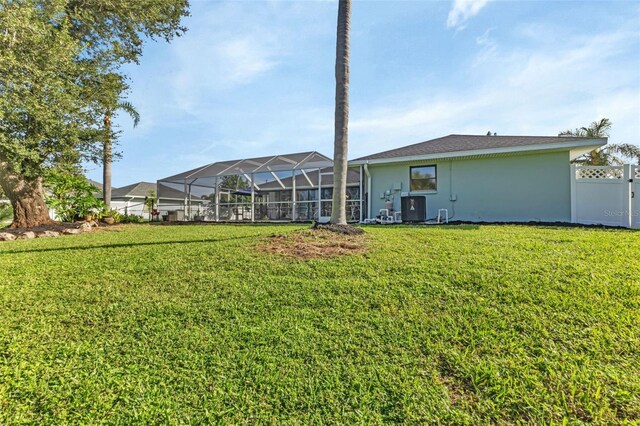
pixel 522 188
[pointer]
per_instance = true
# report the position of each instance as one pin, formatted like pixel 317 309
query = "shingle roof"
pixel 459 143
pixel 95 184
pixel 139 189
pixel 167 192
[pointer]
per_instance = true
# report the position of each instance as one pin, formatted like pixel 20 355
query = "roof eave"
pixel 584 146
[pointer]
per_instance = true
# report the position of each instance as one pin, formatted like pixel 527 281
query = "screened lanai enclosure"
pixel 291 187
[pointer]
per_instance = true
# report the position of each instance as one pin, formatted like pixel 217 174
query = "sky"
pixel 256 78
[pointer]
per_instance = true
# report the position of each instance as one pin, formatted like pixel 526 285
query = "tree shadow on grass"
pixel 122 245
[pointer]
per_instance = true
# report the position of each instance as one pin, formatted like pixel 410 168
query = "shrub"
pixel 6 212
pixel 117 217
pixel 71 195
pixel 131 218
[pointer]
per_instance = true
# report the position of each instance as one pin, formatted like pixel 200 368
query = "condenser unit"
pixel 414 208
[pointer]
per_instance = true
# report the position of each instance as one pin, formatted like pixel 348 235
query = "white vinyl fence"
pixel 635 199
pixel 606 195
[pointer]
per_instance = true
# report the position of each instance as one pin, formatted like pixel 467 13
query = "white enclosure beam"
pixel 186 199
pixel 293 197
pixel 250 179
pixel 217 201
pixel 253 200
pixel 230 167
pixel 278 179
pixel 307 177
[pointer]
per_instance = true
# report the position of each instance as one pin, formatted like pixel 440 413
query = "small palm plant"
pixel 608 155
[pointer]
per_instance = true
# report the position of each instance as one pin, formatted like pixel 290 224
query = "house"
pixel 460 177
pixel 475 178
pixel 97 185
pixel 130 199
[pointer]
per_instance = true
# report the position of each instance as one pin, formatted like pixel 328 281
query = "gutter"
pixel 588 144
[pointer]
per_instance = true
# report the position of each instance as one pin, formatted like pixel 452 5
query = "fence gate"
pixel 606 195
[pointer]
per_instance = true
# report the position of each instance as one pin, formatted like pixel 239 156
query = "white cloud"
pixel 226 48
pixel 488 47
pixel 224 64
pixel 536 91
pixel 462 10
pixel 244 59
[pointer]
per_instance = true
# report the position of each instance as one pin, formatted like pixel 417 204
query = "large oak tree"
pixel 53 56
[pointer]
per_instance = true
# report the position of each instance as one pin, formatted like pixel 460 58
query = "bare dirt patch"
pixel 339 229
pixel 315 243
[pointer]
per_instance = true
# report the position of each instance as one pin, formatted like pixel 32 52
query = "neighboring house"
pixel 476 178
pixel 130 199
pixel 97 185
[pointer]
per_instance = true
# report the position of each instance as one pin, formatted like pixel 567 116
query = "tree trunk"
pixel 107 158
pixel 27 199
pixel 341 133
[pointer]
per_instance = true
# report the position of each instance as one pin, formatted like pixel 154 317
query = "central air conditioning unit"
pixel 414 208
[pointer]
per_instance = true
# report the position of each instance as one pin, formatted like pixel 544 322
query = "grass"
pixel 192 324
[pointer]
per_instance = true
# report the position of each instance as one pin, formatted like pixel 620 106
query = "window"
pixel 423 178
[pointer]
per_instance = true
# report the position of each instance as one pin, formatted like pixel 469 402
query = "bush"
pixel 117 217
pixel 131 218
pixel 6 212
pixel 71 195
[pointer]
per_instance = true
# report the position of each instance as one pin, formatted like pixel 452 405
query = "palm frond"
pixel 597 129
pixel 131 110
pixel 569 132
pixel 625 150
pixel 600 129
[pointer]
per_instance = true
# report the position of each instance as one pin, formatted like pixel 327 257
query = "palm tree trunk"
pixel 26 197
pixel 341 132
pixel 107 159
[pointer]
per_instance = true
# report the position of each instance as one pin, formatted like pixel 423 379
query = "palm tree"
pixel 611 154
pixel 341 131
pixel 107 151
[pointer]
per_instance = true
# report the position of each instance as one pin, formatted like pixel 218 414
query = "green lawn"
pixel 190 324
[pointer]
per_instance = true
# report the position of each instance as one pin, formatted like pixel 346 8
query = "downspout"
pixel 451 200
pixel 366 171
pixel 319 194
pixel 361 189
